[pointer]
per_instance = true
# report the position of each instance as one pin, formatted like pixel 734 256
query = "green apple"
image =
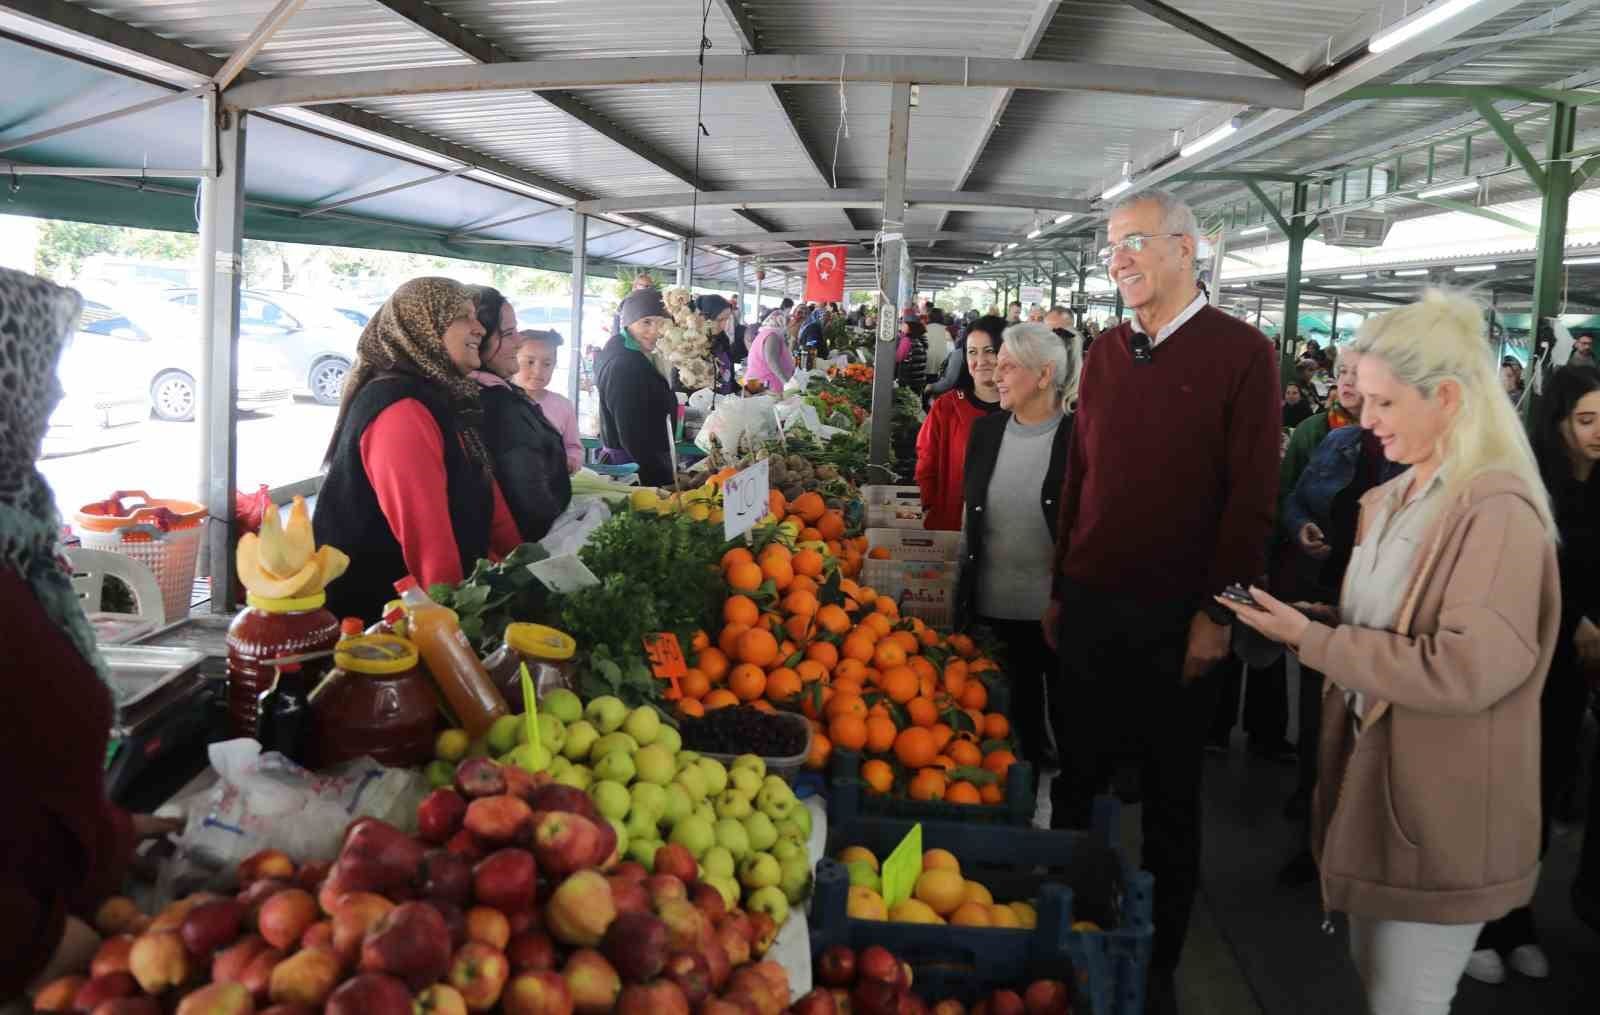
pixel 562 704
pixel 717 861
pixel 753 762
pixel 576 776
pixel 759 870
pixel 716 775
pixel 581 736
pixel 776 801
pixel 787 849
pixel 644 852
pixel 552 732
pixel 607 712
pixel 654 764
pixel 796 879
pixel 703 809
pixel 670 738
pixel 613 743
pixel 616 767
pixel 559 765
pixel 727 886
pixel 441 773
pixel 693 782
pixel 451 745
pixel 678 805
pixel 732 837
pixel 479 748
pixel 861 873
pixel 502 734
pixel 684 759
pixel 761 830
pixel 642 823
pixel 746 781
pixel 769 900
pixel 733 804
pixel 529 757
pixel 611 799
pixel 649 797
pixel 643 724
pixel 622 835
pixel 696 836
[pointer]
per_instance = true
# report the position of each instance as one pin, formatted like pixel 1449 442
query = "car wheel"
pixel 172 396
pixel 327 381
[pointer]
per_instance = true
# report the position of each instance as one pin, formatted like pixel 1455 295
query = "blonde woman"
pixel 1426 819
pixel 1016 460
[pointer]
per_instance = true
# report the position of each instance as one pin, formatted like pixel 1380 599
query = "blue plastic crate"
pixel 848 798
pixel 1073 875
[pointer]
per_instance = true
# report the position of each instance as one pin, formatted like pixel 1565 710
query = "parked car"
pixel 158 347
pixel 357 317
pixel 318 341
pixel 93 400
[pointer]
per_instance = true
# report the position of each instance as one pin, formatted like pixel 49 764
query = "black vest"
pixel 530 460
pixel 348 515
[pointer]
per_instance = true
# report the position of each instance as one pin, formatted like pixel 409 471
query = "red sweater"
pixel 942 457
pixel 63 846
pixel 1172 479
pixel 403 453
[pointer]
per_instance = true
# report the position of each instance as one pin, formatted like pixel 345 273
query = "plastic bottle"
pixel 455 667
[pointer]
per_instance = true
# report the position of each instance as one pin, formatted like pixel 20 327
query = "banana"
pixel 273 548
pixel 299 544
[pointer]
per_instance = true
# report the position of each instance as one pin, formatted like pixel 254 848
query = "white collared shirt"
pixel 1177 322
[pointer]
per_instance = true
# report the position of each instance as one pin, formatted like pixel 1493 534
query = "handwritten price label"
pixel 666 660
pixel 744 500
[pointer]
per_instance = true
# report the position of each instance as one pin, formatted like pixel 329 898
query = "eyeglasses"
pixel 1132 244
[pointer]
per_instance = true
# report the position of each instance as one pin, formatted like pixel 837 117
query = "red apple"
pixel 370 994
pixel 737 947
pixel 228 965
pixel 411 941
pixel 311 874
pixel 116 915
pixel 776 978
pixel 522 784
pixel 141 1005
pixel 531 951
pixel 753 987
pixel 499 820
pixel 354 915
pixel 556 797
pixel 381 858
pixel 255 894
pixel 1005 1002
pixel 320 935
pixel 725 1006
pixel 659 998
pixel 218 999
pixel 628 895
pixel 104 988
pixel 691 973
pixel 507 880
pixel 875 997
pixel 285 917
pixel 636 945
pixel 159 961
pixel 537 993
pixel 717 963
pixel 112 955
pixel 306 977
pixel 605 855
pixel 763 932
pixel 465 845
pixel 480 973
pixel 455 920
pixel 257 974
pixel 268 863
pixel 439 816
pixel 446 876
pixel 877 963
pixel 709 901
pixel 836 967
pixel 289 1008
pixel 440 999
pixel 686 925
pixel 1047 997
pixel 665 888
pixel 593 981
pixel 580 910
pixel 633 870
pixel 818 1002
pixel 488 926
pixel 479 777
pixel 949 1006
pixel 58 994
pixel 675 859
pixel 565 842
pixel 911 1004
pixel 525 921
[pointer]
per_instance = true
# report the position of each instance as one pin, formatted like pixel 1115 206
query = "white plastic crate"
pixel 893 578
pixel 898 507
pixel 936 545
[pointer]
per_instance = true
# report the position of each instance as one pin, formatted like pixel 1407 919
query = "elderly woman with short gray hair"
pixel 1010 523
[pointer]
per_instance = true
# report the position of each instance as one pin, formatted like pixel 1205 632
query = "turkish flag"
pixel 825 275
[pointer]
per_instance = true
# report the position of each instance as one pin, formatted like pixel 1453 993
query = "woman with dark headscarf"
pixel 1297 408
pixel 529 455
pixel 65 847
pixel 410 487
pixel 719 312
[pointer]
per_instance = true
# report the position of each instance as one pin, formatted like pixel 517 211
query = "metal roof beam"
pixel 1472 209
pixel 90 121
pixel 858 197
pixel 1475 93
pixel 240 58
pixel 1220 40
pixel 369 195
pixel 824 235
pixel 613 72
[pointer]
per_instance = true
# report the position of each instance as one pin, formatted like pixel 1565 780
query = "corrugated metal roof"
pixel 591 28
pixel 891 26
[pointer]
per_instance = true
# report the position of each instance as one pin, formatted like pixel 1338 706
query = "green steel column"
pixel 1299 229
pixel 1053 270
pixel 1548 270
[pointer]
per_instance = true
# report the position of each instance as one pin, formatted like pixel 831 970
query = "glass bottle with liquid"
pixel 455 667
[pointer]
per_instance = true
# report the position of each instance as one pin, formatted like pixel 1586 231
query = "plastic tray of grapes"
pixel 782 739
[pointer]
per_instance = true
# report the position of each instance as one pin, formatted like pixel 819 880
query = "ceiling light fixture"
pixel 1467 268
pixel 1584 260
pixel 1411 272
pixel 1253 231
pixel 1011 246
pixel 1035 234
pixel 1458 187
pixel 1062 218
pixel 1115 189
pixel 1349 277
pixel 1211 137
pixel 1409 28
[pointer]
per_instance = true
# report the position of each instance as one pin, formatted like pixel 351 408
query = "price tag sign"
pixel 530 700
pixel 902 868
pixel 744 500
pixel 563 574
pixel 666 661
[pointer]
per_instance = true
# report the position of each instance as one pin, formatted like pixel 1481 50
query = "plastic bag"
pixel 798 412
pixel 702 400
pixel 735 418
pixel 573 526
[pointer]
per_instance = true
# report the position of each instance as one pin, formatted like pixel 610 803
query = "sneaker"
pixel 1530 961
pixel 1486 966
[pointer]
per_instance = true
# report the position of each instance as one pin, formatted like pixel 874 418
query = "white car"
pixel 158 349
pixel 317 341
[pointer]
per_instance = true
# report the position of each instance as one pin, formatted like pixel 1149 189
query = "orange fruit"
pixel 848 731
pixel 819 752
pixel 714 663
pixel 963 645
pixel 878 775
pixel 824 653
pixel 996 726
pixel 940 860
pixel 955 677
pixel 745 576
pixel 907 642
pixel 764 706
pixel 900 684
pixel 941 735
pixel 888 654
pixel 740 610
pixel 845 685
pixel 810 670
pixel 695 683
pixel 921 711
pixel 812 705
pixel 963 752
pixel 940 889
pixel 878 553
pixel 782 684
pixel 928 636
pixel 922 665
pixel 777 503
pixel 998 762
pixel 810 535
pixel 878 622
pixel 859 646
pixel 808 562
pixel 1003 916
pixel 928 784
pixel 962 793
pixel 699 641
pixel 982 665
pixel 833 619
pixel 775 549
pixel 692 707
pixel 831 525
pixel 758 647
pixel 880 733
pixel 748 681
pixel 886 606
pixel 914 747
pixel 944 762
pixel 850 668
pixel 846 704
pixel 728 639
pixel 801 602
pixel 737 555
pixel 864 595
pixel 798 627
pixel 779 571
pixel 991 794
pixel 803 583
pixel 977 891
pixel 720 698
pixel 809 506
pixel 974 695
pixel 970 914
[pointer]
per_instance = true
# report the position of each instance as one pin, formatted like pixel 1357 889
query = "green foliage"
pixel 63 247
pixel 495 595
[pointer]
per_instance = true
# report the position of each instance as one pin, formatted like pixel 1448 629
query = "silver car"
pixel 318 341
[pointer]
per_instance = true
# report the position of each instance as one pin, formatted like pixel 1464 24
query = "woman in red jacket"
pixel 63 846
pixel 942 443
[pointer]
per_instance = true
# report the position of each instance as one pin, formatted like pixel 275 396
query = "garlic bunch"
pixel 687 341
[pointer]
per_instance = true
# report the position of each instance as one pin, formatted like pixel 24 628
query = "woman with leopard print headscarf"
pixel 65 847
pixel 410 489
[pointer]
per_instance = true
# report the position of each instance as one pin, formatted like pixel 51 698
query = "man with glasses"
pixel 1171 489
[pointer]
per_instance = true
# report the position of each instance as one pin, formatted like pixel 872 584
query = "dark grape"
pixel 743 730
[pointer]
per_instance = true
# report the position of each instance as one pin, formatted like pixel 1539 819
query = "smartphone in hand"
pixel 1239 594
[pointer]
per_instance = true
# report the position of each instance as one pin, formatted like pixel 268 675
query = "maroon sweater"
pixel 1172 479
pixel 63 846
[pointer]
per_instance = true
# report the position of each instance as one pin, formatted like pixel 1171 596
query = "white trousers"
pixel 1410 968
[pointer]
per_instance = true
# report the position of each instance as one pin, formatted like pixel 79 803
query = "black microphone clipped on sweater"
pixel 1143 351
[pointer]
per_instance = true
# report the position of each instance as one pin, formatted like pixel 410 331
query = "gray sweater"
pixel 1015 573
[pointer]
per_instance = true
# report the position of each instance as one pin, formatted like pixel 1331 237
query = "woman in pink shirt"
pixel 536 362
pixel 770 360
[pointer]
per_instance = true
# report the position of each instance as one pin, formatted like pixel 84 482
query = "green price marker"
pixel 530 718
pixel 902 868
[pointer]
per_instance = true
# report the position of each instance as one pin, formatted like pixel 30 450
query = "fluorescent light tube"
pixel 1464 268
pixel 1349 277
pixel 1035 234
pixel 1411 272
pixel 1409 28
pixel 1062 218
pixel 1115 189
pixel 1584 260
pixel 1459 187
pixel 1011 246
pixel 1209 138
pixel 1253 231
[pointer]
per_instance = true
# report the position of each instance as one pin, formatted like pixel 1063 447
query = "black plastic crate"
pixel 848 798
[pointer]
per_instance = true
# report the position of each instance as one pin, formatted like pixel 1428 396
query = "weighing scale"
pixel 164 705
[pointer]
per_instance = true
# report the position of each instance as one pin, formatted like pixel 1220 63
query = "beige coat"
pixel 1431 813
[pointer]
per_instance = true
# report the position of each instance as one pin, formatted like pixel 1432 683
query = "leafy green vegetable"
pixel 495 595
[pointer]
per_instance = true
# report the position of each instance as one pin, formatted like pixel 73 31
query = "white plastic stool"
pixel 89 571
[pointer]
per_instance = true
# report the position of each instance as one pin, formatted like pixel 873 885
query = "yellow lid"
pixel 304 604
pixel 540 642
pixel 375 654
